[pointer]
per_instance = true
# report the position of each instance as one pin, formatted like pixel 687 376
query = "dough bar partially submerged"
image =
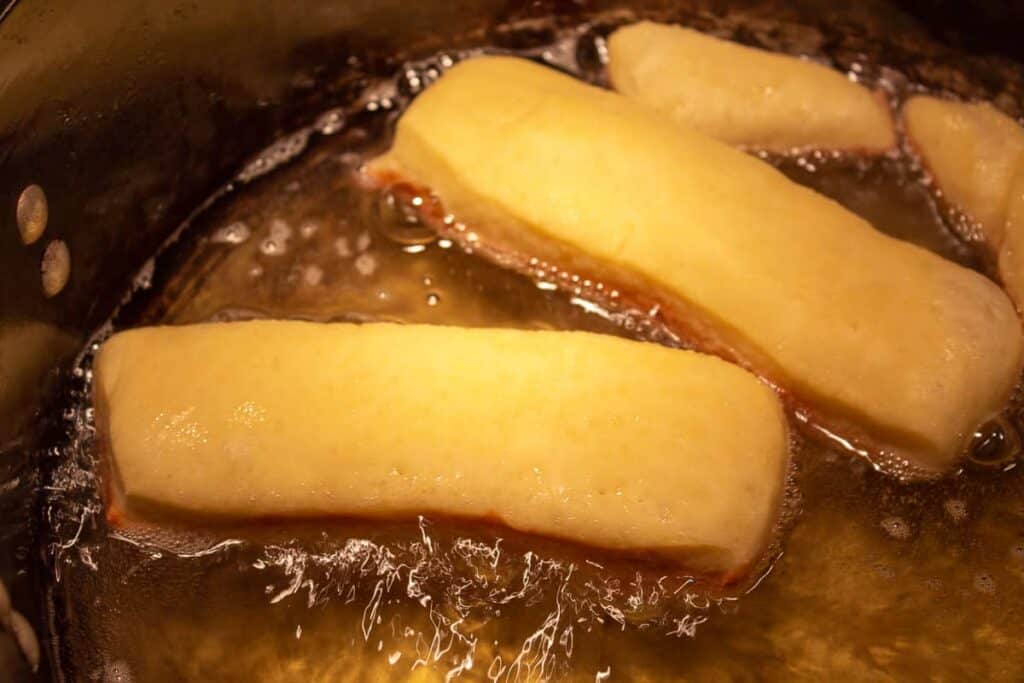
pixel 886 344
pixel 745 96
pixel 598 440
pixel 973 150
pixel 975 154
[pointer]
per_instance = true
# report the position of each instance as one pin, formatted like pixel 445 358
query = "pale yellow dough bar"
pixel 886 342
pixel 973 152
pixel 598 440
pixel 746 96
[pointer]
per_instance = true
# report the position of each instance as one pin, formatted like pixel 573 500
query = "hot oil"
pixel 879 580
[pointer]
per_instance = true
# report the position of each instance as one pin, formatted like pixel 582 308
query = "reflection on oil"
pixel 28 351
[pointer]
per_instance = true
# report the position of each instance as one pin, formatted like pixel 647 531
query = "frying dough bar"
pixel 975 154
pixel 745 96
pixel 883 342
pixel 599 440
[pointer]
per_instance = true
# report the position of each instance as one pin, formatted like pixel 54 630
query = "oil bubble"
pixel 280 152
pixel 995 444
pixel 342 248
pixel 330 122
pixel 233 233
pixel 400 222
pixel 350 159
pixel 271 247
pixel 280 230
pixel 884 571
pixel 984 583
pixel 363 242
pixel 956 509
pixel 118 672
pixel 592 52
pixel 276 243
pixel 365 265
pixel 313 275
pixel 897 527
pixel 1017 551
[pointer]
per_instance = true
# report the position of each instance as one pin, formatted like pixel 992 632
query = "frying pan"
pixel 130 114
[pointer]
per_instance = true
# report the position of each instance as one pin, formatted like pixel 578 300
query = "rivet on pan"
pixel 32 213
pixel 56 267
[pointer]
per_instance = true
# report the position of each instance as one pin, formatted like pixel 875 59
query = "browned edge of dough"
pixel 138 515
pixel 882 450
pixel 111 483
pixel 127 512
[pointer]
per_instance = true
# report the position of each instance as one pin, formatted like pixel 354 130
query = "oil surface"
pixel 879 580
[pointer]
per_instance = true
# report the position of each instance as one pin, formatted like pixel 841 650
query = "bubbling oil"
pixel 879 579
